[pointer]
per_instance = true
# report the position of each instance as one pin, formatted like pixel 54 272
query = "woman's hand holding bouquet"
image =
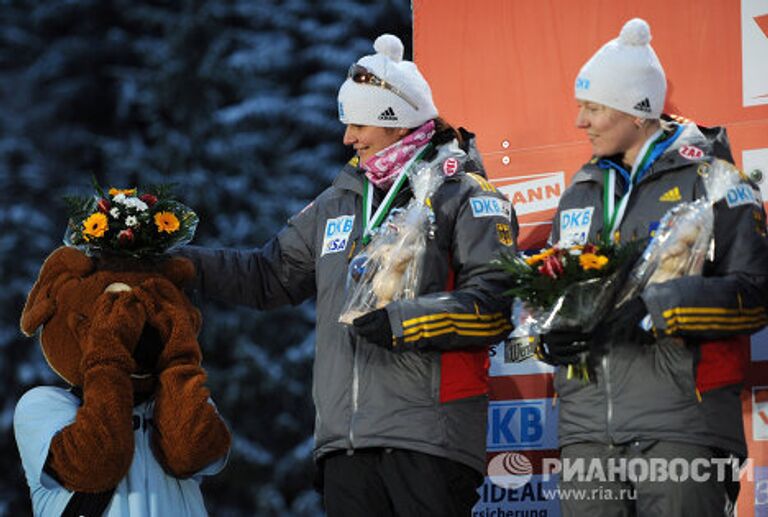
pixel 564 292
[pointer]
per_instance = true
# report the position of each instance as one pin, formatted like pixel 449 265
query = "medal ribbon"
pixel 612 214
pixel 374 221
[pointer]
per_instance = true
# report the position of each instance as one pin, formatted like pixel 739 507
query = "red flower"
pixel 552 267
pixel 149 199
pixel 125 237
pixel 589 248
pixel 103 205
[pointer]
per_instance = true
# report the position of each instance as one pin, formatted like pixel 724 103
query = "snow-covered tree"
pixel 235 102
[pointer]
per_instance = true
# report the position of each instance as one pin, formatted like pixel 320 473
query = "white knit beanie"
pixel 370 105
pixel 625 74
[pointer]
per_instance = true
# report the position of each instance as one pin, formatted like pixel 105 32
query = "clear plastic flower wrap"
pixel 684 238
pixel 565 289
pixel 390 266
pixel 581 306
pixel 521 343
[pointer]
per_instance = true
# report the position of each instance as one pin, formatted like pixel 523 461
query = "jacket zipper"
pixel 609 402
pixel 355 392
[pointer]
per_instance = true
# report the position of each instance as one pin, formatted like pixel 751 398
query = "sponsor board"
pixel 761 491
pixel 760 413
pixel 501 366
pixel 534 192
pixel 537 139
pixel 521 425
pixel 759 346
pixel 754 49
pixel 536 498
pixel 510 470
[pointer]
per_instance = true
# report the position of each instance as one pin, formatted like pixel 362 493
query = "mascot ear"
pixel 178 270
pixel 63 264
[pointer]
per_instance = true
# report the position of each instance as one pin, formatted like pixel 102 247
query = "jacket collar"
pixel 690 145
pixel 351 177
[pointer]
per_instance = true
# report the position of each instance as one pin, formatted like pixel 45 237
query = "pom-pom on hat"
pixel 383 90
pixel 625 74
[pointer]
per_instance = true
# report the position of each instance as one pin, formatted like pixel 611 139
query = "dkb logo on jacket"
pixel 336 234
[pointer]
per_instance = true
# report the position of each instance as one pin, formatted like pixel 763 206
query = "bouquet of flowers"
pixel 389 268
pixel 565 289
pixel 683 240
pixel 129 222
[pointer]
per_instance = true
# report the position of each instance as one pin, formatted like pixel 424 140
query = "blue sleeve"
pixel 40 414
pixel 218 465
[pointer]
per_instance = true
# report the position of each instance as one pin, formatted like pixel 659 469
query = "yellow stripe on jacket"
pixel 714 318
pixel 461 324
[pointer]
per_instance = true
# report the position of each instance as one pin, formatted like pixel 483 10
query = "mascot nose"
pixel 117 287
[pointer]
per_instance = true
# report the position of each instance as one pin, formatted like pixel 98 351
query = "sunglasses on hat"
pixel 362 75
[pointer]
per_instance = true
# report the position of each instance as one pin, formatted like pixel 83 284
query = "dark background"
pixel 235 101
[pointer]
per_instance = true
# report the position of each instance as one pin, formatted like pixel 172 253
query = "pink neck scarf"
pixel 383 167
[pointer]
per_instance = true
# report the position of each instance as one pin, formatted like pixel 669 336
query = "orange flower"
pixel 95 226
pixel 166 222
pixel 535 259
pixel 127 191
pixel 592 261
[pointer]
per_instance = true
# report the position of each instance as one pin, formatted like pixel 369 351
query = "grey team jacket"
pixel 649 392
pixel 432 400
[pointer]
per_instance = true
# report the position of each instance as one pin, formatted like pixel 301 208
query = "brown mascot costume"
pixel 137 431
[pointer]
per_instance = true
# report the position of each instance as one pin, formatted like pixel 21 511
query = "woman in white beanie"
pixel 668 364
pixel 401 396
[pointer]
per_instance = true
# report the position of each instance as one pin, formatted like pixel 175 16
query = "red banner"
pixel 505 69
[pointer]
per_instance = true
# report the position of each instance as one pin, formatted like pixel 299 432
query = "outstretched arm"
pixel 281 272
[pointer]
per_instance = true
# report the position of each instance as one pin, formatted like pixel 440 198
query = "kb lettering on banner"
pixel 761 489
pixel 515 425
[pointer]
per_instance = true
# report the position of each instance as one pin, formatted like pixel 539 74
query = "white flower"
pixel 130 202
pixel 114 212
pixel 131 221
pixel 136 203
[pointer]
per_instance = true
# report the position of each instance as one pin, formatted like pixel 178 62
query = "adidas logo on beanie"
pixel 643 105
pixel 625 74
pixel 388 114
